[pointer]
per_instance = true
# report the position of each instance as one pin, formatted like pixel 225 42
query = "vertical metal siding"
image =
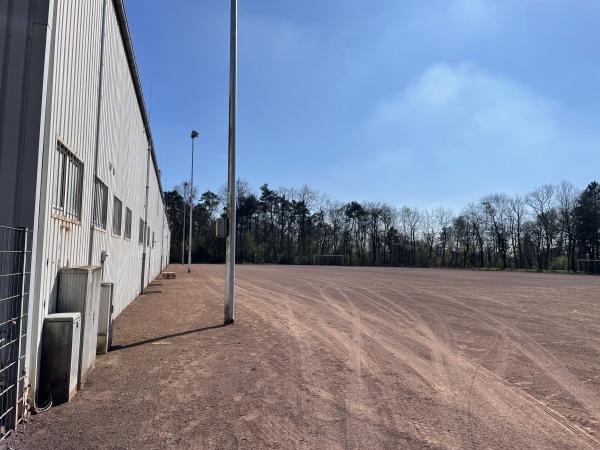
pixel 22 46
pixel 123 148
pixel 73 122
pixel 72 68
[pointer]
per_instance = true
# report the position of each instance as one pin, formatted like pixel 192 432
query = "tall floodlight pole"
pixel 231 206
pixel 183 234
pixel 194 136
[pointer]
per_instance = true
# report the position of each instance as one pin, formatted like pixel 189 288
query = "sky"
pixel 419 103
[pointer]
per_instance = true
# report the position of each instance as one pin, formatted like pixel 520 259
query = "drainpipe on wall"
pixel 145 220
pixel 37 306
pixel 162 239
pixel 97 145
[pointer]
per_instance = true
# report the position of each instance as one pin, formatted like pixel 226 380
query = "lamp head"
pixel 194 134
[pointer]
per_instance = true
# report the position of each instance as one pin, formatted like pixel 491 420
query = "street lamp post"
pixel 183 234
pixel 194 136
pixel 231 206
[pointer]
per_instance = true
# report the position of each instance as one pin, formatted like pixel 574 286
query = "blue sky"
pixel 423 103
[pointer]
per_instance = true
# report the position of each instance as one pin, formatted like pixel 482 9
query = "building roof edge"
pixel 128 45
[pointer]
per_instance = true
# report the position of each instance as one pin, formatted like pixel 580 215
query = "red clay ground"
pixel 344 358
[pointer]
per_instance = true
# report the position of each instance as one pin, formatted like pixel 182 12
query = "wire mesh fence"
pixel 15 272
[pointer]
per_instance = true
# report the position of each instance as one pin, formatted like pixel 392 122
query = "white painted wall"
pixel 122 153
pixel 123 156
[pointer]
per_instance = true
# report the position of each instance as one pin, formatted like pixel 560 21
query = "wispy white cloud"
pixel 476 131
pixel 463 107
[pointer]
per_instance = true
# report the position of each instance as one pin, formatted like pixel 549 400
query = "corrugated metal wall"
pixel 52 55
pixel 74 93
pixel 23 39
pixel 122 154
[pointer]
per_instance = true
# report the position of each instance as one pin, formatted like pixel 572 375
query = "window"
pixel 100 204
pixel 142 228
pixel 117 216
pixel 127 223
pixel 68 178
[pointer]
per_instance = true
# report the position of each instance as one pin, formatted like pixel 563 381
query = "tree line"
pixel 553 227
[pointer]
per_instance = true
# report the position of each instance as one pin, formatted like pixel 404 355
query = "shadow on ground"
pixel 162 338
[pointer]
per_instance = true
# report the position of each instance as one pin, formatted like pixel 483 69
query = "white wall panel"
pixel 73 121
pixel 122 153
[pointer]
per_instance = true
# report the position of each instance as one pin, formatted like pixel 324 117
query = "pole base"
pixel 229 322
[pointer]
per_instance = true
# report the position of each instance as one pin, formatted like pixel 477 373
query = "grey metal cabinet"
pixel 79 291
pixel 61 338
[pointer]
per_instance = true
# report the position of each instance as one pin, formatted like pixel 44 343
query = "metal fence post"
pixel 20 327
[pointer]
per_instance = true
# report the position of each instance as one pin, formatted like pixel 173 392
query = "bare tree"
pixel 518 213
pixel 444 222
pixel 476 215
pixel 387 219
pixel 429 232
pixel 374 214
pixel 566 196
pixel 336 216
pixel 497 208
pixel 188 193
pixel 542 201
pixel 409 221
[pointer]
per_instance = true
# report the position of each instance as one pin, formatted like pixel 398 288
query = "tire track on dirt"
pixel 367 415
pixel 437 333
pixel 332 294
pixel 425 432
pixel 282 316
pixel 361 388
pixel 589 440
pixel 365 428
pixel 457 366
pixel 312 335
pixel 468 366
pixel 307 409
pixel 440 371
pixel 552 368
pixel 444 352
pixel 404 333
pixel 539 355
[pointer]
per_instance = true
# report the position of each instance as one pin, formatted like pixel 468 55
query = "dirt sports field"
pixel 343 358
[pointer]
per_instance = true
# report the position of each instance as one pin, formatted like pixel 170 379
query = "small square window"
pixel 68 181
pixel 142 229
pixel 127 223
pixel 100 204
pixel 117 216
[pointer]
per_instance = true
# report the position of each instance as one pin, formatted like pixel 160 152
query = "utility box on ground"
pixel 79 291
pixel 105 323
pixel 61 337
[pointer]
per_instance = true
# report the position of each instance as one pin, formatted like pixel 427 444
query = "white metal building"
pixel 77 163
